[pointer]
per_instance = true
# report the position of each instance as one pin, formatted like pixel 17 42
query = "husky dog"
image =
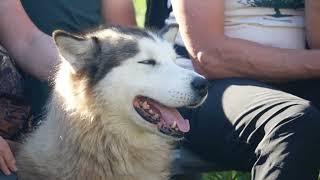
pixel 112 114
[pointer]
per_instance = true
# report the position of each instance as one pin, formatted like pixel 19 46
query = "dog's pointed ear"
pixel 76 50
pixel 169 32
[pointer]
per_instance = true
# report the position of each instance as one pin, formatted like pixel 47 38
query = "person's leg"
pixel 289 150
pixel 247 125
pixel 307 89
pixel 10 177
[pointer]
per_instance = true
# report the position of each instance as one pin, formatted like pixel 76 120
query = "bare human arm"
pixel 217 56
pixel 118 12
pixel 33 51
pixel 313 23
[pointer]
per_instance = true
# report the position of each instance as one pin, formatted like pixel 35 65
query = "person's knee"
pixel 290 145
pixel 300 130
pixel 297 126
pixel 301 119
pixel 308 118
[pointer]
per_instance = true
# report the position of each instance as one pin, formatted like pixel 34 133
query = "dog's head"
pixel 131 73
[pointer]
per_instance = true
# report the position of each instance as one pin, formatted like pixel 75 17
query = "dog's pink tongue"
pixel 169 115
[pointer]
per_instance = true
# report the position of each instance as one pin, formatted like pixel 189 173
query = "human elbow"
pixel 202 58
pixel 313 39
pixel 314 44
pixel 210 56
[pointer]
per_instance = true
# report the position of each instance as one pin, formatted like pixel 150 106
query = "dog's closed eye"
pixel 148 62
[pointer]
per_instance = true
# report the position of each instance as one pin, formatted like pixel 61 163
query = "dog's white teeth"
pixel 145 105
pixel 150 111
pixel 174 125
pixel 156 116
pixel 136 104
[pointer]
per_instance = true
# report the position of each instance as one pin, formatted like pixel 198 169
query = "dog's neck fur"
pixel 105 147
pixel 91 149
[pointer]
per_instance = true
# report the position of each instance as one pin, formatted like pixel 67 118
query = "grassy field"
pixel 140 8
pixel 228 175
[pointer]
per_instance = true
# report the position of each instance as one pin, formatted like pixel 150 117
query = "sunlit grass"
pixel 227 175
pixel 140 8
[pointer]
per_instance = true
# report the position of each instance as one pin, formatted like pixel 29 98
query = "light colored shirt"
pixel 260 22
pixel 283 29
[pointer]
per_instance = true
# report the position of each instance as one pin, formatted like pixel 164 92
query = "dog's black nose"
pixel 200 85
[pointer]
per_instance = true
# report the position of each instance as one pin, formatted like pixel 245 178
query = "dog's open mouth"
pixel 168 120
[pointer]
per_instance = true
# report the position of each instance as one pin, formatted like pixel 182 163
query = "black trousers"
pixel 250 126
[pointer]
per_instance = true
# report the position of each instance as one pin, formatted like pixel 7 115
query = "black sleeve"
pixel 157 12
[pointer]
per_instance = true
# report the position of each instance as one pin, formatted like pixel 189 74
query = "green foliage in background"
pixel 140 8
pixel 227 175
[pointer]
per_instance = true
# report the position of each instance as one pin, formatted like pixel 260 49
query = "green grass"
pixel 140 8
pixel 227 175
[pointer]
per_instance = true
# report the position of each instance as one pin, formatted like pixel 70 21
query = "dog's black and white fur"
pixel 92 130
